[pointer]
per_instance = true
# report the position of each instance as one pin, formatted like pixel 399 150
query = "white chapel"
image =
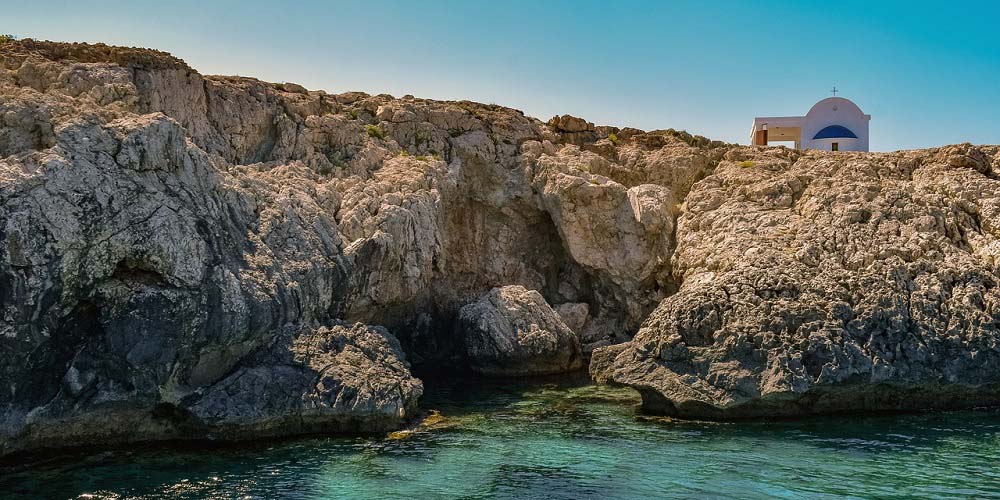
pixel 833 124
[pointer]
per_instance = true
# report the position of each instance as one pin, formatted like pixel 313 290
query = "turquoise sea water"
pixel 556 439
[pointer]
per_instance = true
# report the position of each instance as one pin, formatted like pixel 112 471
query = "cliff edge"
pixel 190 256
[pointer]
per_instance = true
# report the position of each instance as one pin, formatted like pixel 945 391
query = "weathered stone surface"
pixel 324 379
pixel 816 283
pixel 512 331
pixel 337 379
pixel 160 230
pixel 567 123
pixel 574 315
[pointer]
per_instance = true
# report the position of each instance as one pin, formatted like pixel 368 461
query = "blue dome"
pixel 835 132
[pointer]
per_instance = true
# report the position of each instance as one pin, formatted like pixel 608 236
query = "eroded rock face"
pixel 326 379
pixel 160 229
pixel 816 283
pixel 575 315
pixel 512 331
pixel 315 380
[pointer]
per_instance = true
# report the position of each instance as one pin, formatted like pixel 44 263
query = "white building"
pixel 833 124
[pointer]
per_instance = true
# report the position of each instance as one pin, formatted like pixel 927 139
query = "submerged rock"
pixel 512 331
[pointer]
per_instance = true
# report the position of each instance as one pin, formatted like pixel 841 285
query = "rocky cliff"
pixel 822 282
pixel 197 256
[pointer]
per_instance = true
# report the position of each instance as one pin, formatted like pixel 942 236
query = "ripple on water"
pixel 558 439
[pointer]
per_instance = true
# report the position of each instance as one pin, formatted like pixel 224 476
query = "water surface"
pixel 556 439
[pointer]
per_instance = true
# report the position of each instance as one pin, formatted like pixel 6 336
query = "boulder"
pixel 573 130
pixel 293 88
pixel 329 379
pixel 567 123
pixel 512 331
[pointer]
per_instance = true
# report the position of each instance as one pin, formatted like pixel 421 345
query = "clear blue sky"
pixel 927 72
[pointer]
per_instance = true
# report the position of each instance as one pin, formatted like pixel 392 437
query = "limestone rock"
pixel 293 88
pixel 574 314
pixel 513 331
pixel 161 231
pixel 158 228
pixel 573 130
pixel 324 379
pixel 567 123
pixel 816 282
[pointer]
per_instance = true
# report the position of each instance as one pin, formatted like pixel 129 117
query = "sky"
pixel 927 72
